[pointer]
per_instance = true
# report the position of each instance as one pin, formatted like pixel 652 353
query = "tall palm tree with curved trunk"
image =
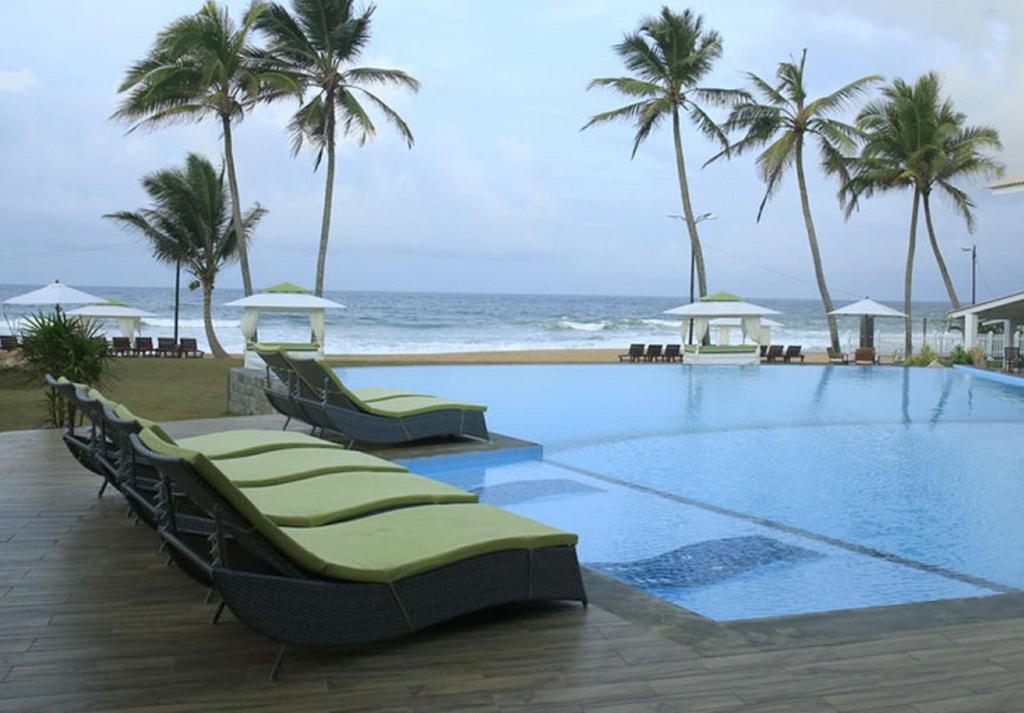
pixel 786 120
pixel 914 139
pixel 190 222
pixel 669 55
pixel 203 66
pixel 317 45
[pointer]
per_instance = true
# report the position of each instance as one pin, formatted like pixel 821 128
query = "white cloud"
pixel 17 80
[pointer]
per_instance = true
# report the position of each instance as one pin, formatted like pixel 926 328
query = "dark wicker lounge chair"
pixel 763 351
pixel 144 346
pixel 371 578
pixel 282 393
pixel 793 352
pixel 635 353
pixel 166 347
pixel 9 342
pixel 381 415
pixel 673 352
pixel 865 356
pixel 837 357
pixel 1011 359
pixel 653 352
pixel 775 352
pixel 190 349
pixel 121 346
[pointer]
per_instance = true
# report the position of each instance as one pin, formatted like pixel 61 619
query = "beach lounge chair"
pixel 190 349
pixel 8 342
pixel 672 353
pixel 837 357
pixel 653 352
pixel 865 356
pixel 166 347
pixel 793 352
pixel 380 415
pixel 144 346
pixel 317 581
pixel 763 350
pixel 121 346
pixel 1011 359
pixel 635 353
pixel 282 393
pixel 775 352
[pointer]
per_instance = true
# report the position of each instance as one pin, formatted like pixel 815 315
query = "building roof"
pixel 1008 184
pixel 1009 306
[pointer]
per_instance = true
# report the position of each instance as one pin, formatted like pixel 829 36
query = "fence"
pixel 942 343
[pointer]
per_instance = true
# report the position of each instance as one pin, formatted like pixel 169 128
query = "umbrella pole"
pixel 177 296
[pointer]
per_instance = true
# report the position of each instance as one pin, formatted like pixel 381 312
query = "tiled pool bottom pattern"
pixel 840 490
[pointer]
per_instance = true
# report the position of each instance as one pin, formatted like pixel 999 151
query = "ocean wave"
pixel 189 323
pixel 566 323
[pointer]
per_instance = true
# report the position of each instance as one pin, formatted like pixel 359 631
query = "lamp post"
pixel 973 250
pixel 693 260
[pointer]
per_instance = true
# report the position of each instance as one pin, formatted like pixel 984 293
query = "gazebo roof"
pixel 867 308
pixel 110 311
pixel 56 293
pixel 285 302
pixel 720 304
pixel 286 288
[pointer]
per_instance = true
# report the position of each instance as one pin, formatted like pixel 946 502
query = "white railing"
pixel 942 343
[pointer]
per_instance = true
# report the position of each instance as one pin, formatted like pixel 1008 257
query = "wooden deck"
pixel 91 618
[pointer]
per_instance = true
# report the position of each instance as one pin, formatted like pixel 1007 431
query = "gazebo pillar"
pixel 970 330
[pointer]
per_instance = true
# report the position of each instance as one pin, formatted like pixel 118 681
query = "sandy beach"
pixel 530 356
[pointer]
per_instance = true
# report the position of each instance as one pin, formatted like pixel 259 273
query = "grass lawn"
pixel 160 389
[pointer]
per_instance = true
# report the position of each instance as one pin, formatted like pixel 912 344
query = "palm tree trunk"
pixel 325 224
pixel 938 253
pixel 908 276
pixel 684 194
pixel 812 239
pixel 236 206
pixel 211 337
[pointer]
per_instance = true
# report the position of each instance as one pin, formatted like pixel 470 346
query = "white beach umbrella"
pixel 56 293
pixel 867 308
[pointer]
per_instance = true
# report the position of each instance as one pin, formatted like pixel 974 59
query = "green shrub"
pixel 959 355
pixel 57 344
pixel 923 358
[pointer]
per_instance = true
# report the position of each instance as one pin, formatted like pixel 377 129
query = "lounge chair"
pixel 837 357
pixel 672 353
pixel 143 346
pixel 166 347
pixel 1011 359
pixel 763 350
pixel 793 352
pixel 865 356
pixel 380 415
pixel 316 581
pixel 635 353
pixel 653 352
pixel 8 342
pixel 189 348
pixel 775 352
pixel 121 346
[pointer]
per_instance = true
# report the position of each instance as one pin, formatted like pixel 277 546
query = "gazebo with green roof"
pixel 283 298
pixel 719 305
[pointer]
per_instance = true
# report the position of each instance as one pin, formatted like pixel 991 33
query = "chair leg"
pixel 102 488
pixel 286 422
pixel 276 668
pixel 218 612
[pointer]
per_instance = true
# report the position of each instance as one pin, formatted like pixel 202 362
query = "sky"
pixel 502 192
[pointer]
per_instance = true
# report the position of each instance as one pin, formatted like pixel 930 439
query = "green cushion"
pixel 379 393
pixel 402 543
pixel 229 444
pixel 334 497
pixel 385 547
pixel 290 464
pixel 97 396
pixel 284 346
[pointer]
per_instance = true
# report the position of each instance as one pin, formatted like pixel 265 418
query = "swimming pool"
pixel 751 492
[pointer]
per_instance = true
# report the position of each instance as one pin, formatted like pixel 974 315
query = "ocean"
pixel 416 322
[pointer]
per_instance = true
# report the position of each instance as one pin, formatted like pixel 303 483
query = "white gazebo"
pixel 718 306
pixel 283 298
pixel 128 318
pixel 867 309
pixel 721 327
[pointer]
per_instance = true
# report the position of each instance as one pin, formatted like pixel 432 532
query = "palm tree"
pixel 788 120
pixel 202 66
pixel 669 55
pixel 317 45
pixel 914 139
pixel 190 221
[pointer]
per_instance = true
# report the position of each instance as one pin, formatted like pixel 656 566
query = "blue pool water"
pixel 751 492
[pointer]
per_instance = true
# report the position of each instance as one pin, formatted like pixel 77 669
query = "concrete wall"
pixel 245 392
